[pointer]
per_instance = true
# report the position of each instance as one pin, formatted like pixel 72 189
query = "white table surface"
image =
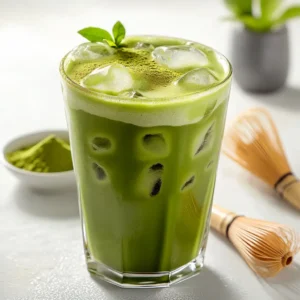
pixel 41 255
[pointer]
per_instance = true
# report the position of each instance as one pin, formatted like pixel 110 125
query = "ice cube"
pixel 179 57
pixel 111 79
pixel 132 94
pixel 196 79
pixel 100 143
pixel 190 43
pixel 91 51
pixel 99 171
pixel 155 143
pixel 144 46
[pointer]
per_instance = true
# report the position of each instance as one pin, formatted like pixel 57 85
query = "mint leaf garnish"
pixel 110 43
pixel 119 32
pixel 95 34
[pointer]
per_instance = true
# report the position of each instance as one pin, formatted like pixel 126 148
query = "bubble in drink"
pixel 91 51
pixel 179 57
pixel 194 79
pixel 111 79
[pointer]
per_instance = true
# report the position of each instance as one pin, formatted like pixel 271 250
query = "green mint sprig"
pixel 95 34
pixel 270 13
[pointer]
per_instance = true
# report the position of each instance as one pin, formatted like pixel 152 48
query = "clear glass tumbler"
pixel 146 173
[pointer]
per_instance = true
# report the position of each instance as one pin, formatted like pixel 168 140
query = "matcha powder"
pixel 138 61
pixel 49 155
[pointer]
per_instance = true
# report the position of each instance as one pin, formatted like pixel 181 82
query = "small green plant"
pixel 96 34
pixel 261 15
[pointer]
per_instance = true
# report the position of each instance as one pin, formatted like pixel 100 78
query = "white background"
pixel 41 254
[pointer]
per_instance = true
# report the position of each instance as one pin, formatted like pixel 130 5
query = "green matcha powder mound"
pixel 49 155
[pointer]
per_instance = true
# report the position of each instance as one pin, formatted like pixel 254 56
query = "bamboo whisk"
pixel 266 247
pixel 254 143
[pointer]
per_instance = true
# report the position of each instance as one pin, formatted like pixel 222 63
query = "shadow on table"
pixel 285 285
pixel 268 194
pixel 62 205
pixel 288 98
pixel 207 285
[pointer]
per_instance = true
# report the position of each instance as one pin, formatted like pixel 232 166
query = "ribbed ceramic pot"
pixel 260 60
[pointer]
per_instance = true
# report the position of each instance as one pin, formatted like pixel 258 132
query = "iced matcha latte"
pixel 146 122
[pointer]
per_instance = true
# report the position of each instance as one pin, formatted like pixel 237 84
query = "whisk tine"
pixel 253 141
pixel 266 247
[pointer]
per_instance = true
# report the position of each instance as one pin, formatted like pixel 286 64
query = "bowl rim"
pixel 7 164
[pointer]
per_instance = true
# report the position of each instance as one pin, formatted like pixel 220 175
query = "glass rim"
pixel 127 100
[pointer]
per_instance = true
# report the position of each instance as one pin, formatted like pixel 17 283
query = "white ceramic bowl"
pixel 45 181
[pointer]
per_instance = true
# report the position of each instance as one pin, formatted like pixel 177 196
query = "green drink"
pixel 146 123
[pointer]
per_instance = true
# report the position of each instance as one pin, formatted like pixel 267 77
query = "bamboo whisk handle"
pixel 221 219
pixel 289 189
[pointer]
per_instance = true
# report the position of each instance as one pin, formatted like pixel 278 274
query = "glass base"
pixel 146 280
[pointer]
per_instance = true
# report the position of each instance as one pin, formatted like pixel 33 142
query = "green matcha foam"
pixel 154 79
